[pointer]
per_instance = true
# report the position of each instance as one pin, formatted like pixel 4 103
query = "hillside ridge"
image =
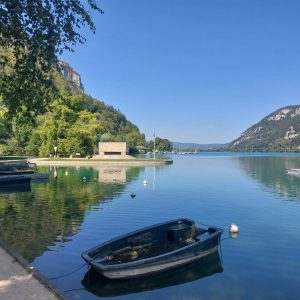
pixel 278 131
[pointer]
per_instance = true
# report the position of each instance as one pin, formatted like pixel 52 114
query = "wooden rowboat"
pixel 153 249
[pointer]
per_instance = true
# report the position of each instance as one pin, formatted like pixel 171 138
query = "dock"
pixel 19 281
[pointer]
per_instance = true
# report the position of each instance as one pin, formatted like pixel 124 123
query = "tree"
pixel 5 126
pixel 73 124
pixel 106 137
pixel 161 144
pixel 32 35
pixel 134 139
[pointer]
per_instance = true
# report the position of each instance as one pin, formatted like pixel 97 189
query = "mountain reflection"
pixel 32 220
pixel 271 171
pixel 104 287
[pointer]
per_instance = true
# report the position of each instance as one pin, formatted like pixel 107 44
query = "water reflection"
pixel 104 287
pixel 112 175
pixel 272 172
pixel 52 212
pixel 15 188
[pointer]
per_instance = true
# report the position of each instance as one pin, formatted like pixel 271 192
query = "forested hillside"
pixel 39 108
pixel 279 131
pixel 73 122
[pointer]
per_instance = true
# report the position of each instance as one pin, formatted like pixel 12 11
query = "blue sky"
pixel 194 70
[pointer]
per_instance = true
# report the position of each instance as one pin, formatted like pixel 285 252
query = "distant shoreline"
pixel 99 162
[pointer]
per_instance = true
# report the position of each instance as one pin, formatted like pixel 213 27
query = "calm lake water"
pixel 52 223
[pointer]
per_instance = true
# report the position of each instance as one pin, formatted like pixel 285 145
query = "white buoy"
pixel 233 228
pixel 145 182
pixel 84 178
pixel 66 173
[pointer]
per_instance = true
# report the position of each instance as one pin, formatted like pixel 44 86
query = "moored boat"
pixel 13 179
pixel 153 249
pixel 104 287
pixel 16 167
pixel 14 171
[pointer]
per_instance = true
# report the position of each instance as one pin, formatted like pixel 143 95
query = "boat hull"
pixel 151 268
pixel 157 248
pixel 14 179
pixel 101 286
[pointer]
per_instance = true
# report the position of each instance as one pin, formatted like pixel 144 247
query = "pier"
pixel 19 280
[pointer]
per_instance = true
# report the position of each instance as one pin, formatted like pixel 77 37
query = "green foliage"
pixel 106 137
pixel 73 124
pixel 5 127
pixel 162 145
pixel 32 34
pixel 18 135
pixel 134 139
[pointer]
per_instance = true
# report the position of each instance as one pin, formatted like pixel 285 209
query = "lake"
pixel 51 223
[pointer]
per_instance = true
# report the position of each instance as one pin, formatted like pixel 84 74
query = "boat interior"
pixel 155 243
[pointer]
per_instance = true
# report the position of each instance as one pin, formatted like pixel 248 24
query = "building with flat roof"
pixel 113 149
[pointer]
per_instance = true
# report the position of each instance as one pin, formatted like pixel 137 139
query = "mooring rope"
pixel 212 226
pixel 69 273
pixel 74 290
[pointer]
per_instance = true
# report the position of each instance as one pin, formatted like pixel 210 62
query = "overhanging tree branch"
pixel 32 34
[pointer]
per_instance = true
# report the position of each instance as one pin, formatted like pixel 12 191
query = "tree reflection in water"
pixel 33 219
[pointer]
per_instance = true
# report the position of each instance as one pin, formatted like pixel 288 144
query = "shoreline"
pixel 19 280
pixel 99 162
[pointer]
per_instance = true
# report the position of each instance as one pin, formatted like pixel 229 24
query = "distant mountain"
pixel 279 131
pixel 194 146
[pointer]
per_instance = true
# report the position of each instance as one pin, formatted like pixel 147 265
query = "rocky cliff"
pixel 70 75
pixel 279 131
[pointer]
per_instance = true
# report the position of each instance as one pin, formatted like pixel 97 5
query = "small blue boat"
pixel 153 249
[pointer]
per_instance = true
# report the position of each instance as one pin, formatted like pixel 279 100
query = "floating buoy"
pixel 133 195
pixel 233 228
pixel 84 178
pixel 145 182
pixel 66 173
